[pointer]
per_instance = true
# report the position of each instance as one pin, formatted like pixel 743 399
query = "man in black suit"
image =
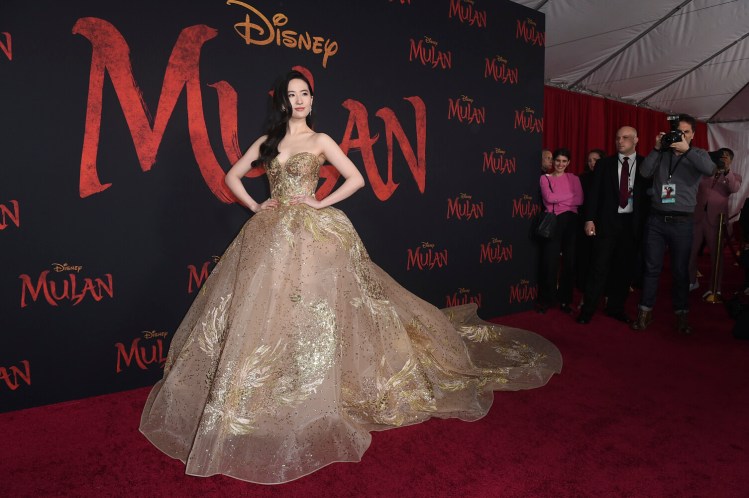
pixel 614 214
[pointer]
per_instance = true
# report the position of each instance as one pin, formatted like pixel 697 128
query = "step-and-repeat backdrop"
pixel 118 121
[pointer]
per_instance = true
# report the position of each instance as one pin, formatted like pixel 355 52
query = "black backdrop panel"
pixel 118 121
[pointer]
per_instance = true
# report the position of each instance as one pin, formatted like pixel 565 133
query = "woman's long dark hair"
pixel 278 117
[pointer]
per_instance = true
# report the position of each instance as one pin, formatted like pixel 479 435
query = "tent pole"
pixel 630 43
pixel 716 54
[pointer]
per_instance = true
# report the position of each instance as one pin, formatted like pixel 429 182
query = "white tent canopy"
pixel 675 56
pixel 689 56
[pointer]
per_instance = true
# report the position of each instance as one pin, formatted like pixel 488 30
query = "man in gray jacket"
pixel 677 170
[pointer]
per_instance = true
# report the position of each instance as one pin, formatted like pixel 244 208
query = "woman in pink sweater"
pixel 562 194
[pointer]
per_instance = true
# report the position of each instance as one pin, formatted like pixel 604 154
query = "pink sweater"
pixel 567 193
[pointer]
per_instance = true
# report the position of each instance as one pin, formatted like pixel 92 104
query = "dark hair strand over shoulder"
pixel 279 114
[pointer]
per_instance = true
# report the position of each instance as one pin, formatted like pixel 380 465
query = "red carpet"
pixel 632 414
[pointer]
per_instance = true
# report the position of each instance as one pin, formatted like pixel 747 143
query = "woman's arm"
pixel 577 190
pixel 353 179
pixel 556 196
pixel 233 178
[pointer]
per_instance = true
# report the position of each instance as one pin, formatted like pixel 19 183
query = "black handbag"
pixel 546 225
pixel 546 222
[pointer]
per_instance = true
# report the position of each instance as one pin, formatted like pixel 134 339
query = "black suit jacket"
pixel 602 203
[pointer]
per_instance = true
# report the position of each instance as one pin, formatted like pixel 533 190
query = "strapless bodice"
pixel 298 176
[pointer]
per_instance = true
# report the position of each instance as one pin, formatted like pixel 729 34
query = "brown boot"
pixel 644 317
pixel 682 324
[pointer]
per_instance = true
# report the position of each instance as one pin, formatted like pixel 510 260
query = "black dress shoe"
pixel 541 308
pixel 621 316
pixel 565 308
pixel 584 318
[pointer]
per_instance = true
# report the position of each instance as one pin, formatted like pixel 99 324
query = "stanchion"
pixel 714 297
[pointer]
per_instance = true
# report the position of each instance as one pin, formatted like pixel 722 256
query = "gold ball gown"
pixel 298 346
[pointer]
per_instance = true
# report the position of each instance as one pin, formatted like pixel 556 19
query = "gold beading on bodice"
pixel 298 176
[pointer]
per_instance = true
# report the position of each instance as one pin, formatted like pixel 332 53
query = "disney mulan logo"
pixel 497 161
pixel 465 111
pixel 463 296
pixel 526 120
pixel 463 207
pixel 495 251
pixel 467 13
pixel 525 207
pixel 142 356
pixel 426 257
pixel 523 292
pixel 71 288
pixel 425 51
pixel 498 69
pixel 526 31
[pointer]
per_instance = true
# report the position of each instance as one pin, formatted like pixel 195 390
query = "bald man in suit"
pixel 614 214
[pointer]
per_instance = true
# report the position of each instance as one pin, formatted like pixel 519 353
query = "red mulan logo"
pixel 69 288
pixel 195 279
pixel 524 207
pixel 111 56
pixel 425 257
pixel 526 31
pixel 358 120
pixel 467 13
pixel 464 111
pixel 11 214
pixel 464 208
pixel 14 376
pixel 496 161
pixel 498 69
pixel 425 51
pixel 526 120
pixel 142 356
pixel 463 296
pixel 523 292
pixel 495 251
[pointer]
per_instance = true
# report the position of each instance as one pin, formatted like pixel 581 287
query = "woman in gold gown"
pixel 298 345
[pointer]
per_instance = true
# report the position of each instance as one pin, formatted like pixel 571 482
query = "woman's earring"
pixel 283 108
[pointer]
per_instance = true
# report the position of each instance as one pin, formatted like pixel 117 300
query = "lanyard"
pixel 672 168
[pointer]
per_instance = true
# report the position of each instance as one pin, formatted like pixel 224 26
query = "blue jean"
pixel 676 233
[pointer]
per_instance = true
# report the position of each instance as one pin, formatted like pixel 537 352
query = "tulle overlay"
pixel 298 345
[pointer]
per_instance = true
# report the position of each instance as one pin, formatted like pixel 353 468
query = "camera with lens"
pixel 673 136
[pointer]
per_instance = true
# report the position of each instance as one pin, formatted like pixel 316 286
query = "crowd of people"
pixel 616 220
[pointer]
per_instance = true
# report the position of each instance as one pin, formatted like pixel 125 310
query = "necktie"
pixel 624 183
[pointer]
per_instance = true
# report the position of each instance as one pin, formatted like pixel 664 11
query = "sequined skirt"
pixel 298 346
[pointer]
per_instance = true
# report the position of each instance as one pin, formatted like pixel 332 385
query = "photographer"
pixel 712 200
pixel 676 169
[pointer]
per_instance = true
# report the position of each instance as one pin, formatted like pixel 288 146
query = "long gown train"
pixel 298 345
